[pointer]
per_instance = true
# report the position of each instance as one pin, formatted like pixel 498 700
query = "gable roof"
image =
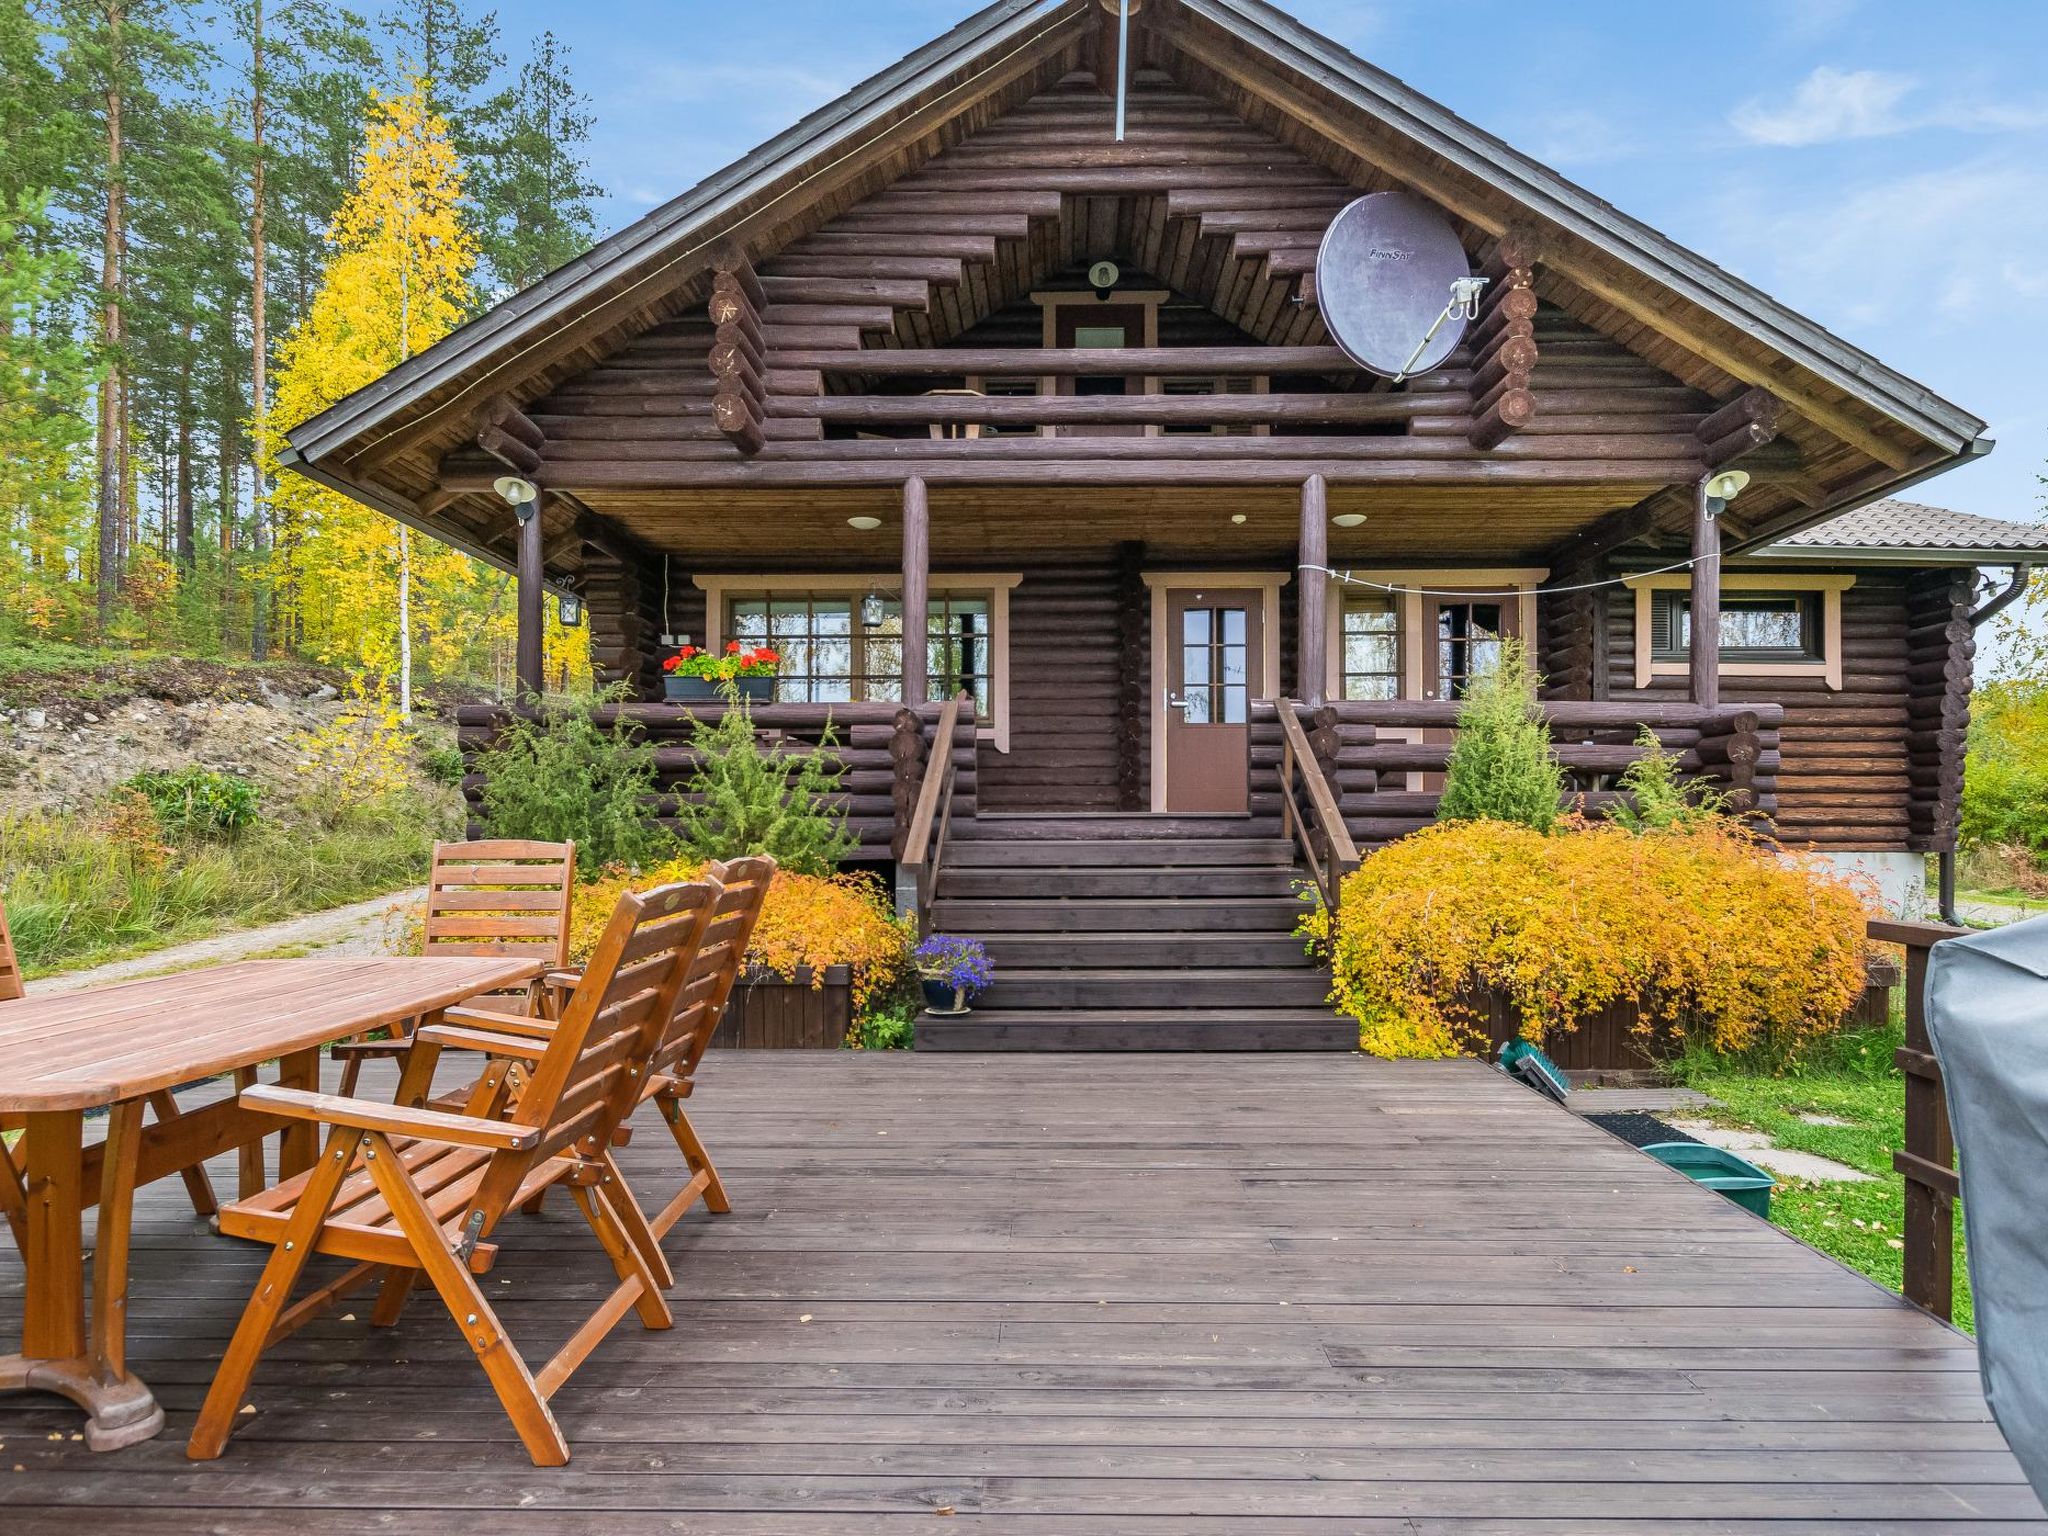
pixel 1882 430
pixel 1908 530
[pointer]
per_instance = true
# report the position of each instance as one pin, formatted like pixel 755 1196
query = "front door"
pixel 1215 654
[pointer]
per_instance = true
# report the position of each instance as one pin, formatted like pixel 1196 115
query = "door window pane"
pixel 1468 638
pixel 1215 668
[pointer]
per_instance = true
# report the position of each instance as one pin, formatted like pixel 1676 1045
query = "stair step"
pixel 1093 826
pixel 1160 884
pixel 1127 951
pixel 986 916
pixel 1074 853
pixel 1188 988
pixel 1139 1029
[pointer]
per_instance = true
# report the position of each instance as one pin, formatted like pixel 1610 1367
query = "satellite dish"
pixel 1394 284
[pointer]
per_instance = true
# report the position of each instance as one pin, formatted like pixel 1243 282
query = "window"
pixel 1371 649
pixel 831 654
pixel 1755 627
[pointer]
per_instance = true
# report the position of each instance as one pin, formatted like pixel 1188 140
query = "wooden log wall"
pixel 1194 201
pixel 1068 682
pixel 1846 782
pixel 1941 648
pixel 1133 647
pixel 622 605
pixel 1569 648
pixel 863 732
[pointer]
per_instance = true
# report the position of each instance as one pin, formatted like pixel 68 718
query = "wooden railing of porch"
pixel 1311 817
pixel 876 786
pixel 1928 1160
pixel 1366 763
pixel 928 779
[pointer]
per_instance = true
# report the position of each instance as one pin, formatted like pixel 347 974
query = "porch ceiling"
pixel 792 529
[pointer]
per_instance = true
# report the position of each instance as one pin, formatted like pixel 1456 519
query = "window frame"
pixel 1389 604
pixel 1822 589
pixel 997 586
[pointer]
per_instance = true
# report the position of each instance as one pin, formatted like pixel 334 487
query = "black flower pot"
pixel 943 996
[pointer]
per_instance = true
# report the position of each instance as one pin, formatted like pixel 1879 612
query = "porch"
pixel 1045 1294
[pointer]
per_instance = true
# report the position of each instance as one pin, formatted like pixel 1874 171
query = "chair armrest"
pixel 486 1041
pixel 390 1119
pixel 500 1023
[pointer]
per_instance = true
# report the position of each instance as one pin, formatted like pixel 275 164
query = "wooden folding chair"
pixel 405 1190
pixel 13 1200
pixel 721 954
pixel 502 897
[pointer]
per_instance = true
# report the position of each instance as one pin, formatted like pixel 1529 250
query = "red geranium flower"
pixel 731 646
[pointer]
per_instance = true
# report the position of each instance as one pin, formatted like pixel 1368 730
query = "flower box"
pixel 767 1013
pixel 705 690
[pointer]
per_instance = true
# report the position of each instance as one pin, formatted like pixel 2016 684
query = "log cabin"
pixel 1015 350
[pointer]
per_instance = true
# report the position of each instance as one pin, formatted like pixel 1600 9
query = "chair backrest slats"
pixel 501 897
pixel 721 954
pixel 581 1088
pixel 10 968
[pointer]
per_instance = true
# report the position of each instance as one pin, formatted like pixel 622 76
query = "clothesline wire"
pixel 1348 579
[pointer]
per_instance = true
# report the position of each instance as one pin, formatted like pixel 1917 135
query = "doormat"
pixel 1637 1128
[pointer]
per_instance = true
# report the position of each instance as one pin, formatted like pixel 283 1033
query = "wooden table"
pixel 117 1047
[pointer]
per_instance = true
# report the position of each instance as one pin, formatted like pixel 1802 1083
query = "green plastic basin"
pixel 1717 1168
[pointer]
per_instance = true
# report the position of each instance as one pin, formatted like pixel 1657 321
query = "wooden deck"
pixel 1056 1294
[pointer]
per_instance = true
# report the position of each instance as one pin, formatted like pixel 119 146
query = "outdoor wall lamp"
pixel 1719 490
pixel 521 495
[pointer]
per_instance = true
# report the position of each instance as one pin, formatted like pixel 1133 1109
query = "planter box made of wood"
pixel 767 1013
pixel 1608 1041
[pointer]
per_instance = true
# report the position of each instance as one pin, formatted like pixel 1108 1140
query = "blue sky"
pixel 1880 165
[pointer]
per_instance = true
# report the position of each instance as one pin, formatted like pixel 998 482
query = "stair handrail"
pixel 1339 855
pixel 925 847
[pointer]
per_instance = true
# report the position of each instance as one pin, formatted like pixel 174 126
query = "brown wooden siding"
pixel 1065 692
pixel 1845 780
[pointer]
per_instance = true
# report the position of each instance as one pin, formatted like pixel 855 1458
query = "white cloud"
pixel 1930 250
pixel 1829 104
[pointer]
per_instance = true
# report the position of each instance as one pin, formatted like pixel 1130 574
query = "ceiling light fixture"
pixel 1348 519
pixel 1237 517
pixel 864 523
pixel 521 495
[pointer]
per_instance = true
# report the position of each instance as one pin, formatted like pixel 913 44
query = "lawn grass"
pixel 1850 1077
pixel 74 899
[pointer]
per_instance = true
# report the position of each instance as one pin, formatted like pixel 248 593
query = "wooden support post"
pixel 1706 600
pixel 917 567
pixel 526 665
pixel 1311 653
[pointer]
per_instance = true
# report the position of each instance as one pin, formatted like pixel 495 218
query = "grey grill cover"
pixel 1987 1011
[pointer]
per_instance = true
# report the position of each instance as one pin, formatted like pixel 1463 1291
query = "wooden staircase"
pixel 1131 933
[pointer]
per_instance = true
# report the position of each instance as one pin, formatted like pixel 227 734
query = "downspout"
pixel 1984 613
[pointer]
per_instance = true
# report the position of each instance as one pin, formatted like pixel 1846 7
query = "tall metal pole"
pixel 1123 64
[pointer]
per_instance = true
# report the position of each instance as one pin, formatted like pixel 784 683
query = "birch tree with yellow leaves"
pixel 359 589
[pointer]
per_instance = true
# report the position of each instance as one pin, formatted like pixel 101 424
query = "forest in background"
pixel 216 218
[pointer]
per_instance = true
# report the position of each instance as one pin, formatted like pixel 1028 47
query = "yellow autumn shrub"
pixel 811 921
pixel 1710 932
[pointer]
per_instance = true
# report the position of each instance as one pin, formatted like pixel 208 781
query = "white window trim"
pixel 1829 586
pixel 998 584
pixel 1267 584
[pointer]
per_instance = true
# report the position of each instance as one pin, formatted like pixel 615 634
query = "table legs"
pixel 58 1352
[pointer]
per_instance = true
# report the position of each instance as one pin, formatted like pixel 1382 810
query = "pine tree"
pixel 534 193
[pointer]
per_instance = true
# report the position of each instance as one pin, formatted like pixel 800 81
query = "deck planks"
pixel 1093 1294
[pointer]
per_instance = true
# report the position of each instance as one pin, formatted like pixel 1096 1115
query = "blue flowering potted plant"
pixel 953 971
